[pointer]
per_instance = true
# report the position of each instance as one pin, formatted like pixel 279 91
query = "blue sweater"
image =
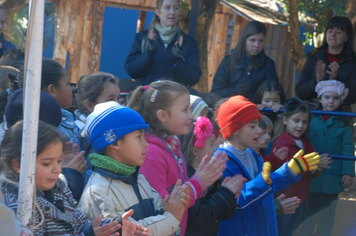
pixel 147 67
pixel 255 213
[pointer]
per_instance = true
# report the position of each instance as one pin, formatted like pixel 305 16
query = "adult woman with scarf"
pixel 164 51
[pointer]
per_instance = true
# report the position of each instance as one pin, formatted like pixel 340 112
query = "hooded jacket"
pixel 110 195
pixel 61 217
pixel 255 213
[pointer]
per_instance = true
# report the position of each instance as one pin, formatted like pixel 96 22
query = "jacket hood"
pixel 9 181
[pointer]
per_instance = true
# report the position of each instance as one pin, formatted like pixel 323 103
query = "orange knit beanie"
pixel 235 113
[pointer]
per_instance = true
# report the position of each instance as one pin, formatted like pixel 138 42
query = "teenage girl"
pixel 165 107
pixel 220 201
pixel 55 210
pixel 248 66
pixel 164 50
pixel 293 133
pixel 332 135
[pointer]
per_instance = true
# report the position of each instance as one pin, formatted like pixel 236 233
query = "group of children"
pixel 155 164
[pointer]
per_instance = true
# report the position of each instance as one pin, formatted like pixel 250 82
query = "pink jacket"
pixel 162 171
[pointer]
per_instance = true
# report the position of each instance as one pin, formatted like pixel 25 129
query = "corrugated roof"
pixel 266 11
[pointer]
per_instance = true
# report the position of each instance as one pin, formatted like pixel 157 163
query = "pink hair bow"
pixel 203 130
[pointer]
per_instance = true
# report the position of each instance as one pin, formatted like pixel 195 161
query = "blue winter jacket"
pixel 146 67
pixel 255 213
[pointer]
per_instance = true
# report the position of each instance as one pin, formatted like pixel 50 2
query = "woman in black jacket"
pixel 164 51
pixel 334 60
pixel 242 72
pixel 219 203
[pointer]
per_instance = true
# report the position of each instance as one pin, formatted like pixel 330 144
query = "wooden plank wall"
pixel 217 47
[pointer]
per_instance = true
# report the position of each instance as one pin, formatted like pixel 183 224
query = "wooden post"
pixel 193 20
pixel 141 21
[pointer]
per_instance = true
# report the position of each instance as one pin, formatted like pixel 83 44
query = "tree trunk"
pixel 295 45
pixel 206 14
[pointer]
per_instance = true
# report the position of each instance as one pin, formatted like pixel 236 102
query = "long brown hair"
pixel 251 28
pixel 158 96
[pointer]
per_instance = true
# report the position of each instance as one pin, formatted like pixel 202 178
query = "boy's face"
pixel 132 148
pixel 247 136
pixel 265 138
pixel 48 166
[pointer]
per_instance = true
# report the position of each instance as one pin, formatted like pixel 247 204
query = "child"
pixel 55 212
pixel 270 94
pixel 220 201
pixel 255 214
pixel 283 205
pixel 198 107
pixel 116 185
pixel 293 135
pixel 332 135
pixel 165 107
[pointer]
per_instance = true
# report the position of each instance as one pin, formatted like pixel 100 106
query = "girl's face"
pixel 330 101
pixel 248 135
pixel 63 93
pixel 270 98
pixel 265 138
pixel 297 124
pixel 335 38
pixel 254 44
pixel 178 119
pixel 48 166
pixel 209 148
pixel 168 13
pixel 111 92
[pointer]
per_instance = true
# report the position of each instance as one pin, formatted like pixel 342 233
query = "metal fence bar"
pixel 319 112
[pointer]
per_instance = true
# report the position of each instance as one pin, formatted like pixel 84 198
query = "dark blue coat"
pixel 305 88
pixel 255 213
pixel 148 67
pixel 225 81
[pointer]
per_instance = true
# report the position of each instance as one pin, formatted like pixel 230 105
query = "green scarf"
pixel 166 33
pixel 109 164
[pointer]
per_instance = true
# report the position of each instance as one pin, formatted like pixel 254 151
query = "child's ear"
pixel 51 90
pixel 162 116
pixel 16 166
pixel 89 106
pixel 285 120
pixel 195 151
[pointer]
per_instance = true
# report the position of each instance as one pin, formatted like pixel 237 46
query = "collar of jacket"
pixel 126 179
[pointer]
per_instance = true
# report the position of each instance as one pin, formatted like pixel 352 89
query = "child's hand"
pixel 173 203
pixel 281 153
pixel 76 162
pixel 277 107
pixel 108 229
pixel 260 106
pixel 234 184
pixel 324 163
pixel 300 163
pixel 266 172
pixel 210 169
pixel 185 198
pixel 130 228
pixel 289 205
pixel 347 181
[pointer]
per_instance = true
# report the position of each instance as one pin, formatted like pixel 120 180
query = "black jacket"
pixel 305 88
pixel 205 216
pixel 226 82
pixel 148 67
